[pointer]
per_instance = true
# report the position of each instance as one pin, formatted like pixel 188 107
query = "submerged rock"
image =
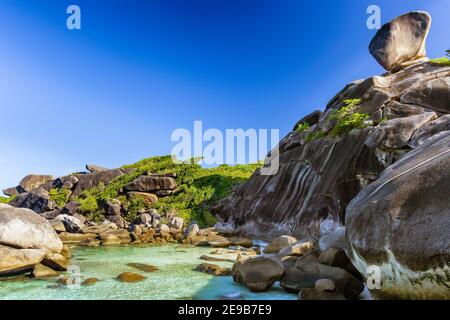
pixel 89 282
pixel 213 269
pixel 143 267
pixel 130 277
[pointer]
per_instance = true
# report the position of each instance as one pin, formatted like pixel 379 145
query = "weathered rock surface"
pixel 71 223
pixel 307 270
pixel 401 40
pixel 15 261
pixel 407 210
pixel 176 223
pixel 149 198
pixel 280 243
pixel 151 183
pixel 13 191
pixel 37 200
pixel 430 131
pixel 90 180
pixel 34 181
pixel 23 228
pixel 40 271
pixel 94 168
pixel 67 237
pixel 213 269
pixel 191 231
pixel 66 182
pixel 258 274
pixel 396 133
pixel 317 179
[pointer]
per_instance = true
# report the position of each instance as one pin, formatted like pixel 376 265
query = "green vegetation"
pixel 59 196
pixel 197 188
pixel 319 133
pixel 347 119
pixel 444 61
pixel 6 200
pixel 301 127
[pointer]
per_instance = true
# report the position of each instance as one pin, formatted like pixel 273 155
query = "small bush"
pixel 444 61
pixel 301 127
pixel 347 119
pixel 133 206
pixel 6 200
pixel 59 196
pixel 315 135
pixel 88 204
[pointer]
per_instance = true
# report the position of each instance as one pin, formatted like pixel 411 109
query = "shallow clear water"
pixel 176 278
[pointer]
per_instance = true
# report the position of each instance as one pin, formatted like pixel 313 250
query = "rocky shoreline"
pixel 362 186
pixel 299 266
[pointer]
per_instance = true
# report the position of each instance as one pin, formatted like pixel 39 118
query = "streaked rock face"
pixel 408 211
pixel 402 40
pixel 24 228
pixel 318 179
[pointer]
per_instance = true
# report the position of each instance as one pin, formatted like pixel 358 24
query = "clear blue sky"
pixel 113 92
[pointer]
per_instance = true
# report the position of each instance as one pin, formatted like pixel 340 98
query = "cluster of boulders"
pixel 385 180
pixel 28 244
pixel 33 191
pixel 301 267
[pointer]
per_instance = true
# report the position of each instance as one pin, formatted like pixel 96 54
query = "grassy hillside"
pixel 198 188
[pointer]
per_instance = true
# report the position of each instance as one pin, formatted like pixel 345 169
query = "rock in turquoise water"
pixel 175 279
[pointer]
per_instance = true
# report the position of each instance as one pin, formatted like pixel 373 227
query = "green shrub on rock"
pixel 444 61
pixel 347 118
pixel 6 200
pixel 59 196
pixel 301 127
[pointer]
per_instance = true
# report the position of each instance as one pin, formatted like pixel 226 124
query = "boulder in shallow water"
pixel 24 228
pixel 40 271
pixel 307 270
pixel 280 243
pixel 258 274
pixel 15 261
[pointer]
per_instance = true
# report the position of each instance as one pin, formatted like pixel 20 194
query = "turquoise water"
pixel 176 278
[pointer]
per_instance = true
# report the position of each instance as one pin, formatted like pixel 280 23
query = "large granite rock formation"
pixel 401 224
pixel 392 167
pixel 34 181
pixel 402 40
pixel 24 228
pixel 317 179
